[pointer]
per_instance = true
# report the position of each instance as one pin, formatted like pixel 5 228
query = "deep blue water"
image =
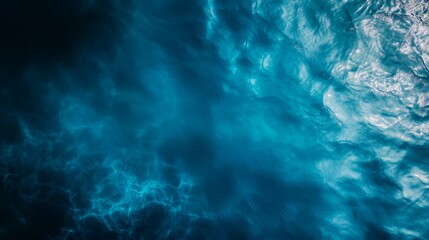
pixel 215 119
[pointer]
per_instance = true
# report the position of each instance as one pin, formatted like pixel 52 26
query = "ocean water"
pixel 214 119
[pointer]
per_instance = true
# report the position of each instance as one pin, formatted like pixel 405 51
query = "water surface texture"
pixel 214 119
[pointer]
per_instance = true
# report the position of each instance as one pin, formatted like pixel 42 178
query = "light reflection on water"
pixel 222 120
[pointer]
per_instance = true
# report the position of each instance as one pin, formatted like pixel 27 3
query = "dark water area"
pixel 214 119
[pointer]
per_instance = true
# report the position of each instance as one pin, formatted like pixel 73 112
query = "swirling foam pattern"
pixel 214 119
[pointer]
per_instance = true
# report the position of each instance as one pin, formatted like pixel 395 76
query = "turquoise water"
pixel 215 120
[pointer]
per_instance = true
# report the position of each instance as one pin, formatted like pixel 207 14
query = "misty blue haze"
pixel 220 120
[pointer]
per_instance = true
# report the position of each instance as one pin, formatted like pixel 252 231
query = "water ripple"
pixel 217 120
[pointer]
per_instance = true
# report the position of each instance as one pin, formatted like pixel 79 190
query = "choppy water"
pixel 214 119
